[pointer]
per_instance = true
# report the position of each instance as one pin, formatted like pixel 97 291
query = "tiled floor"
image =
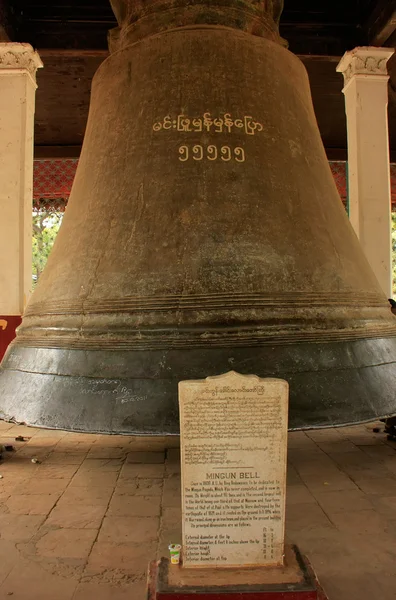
pixel 84 523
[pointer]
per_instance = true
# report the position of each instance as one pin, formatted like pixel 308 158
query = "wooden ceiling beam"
pixel 381 23
pixel 72 53
pixel 8 21
pixel 41 152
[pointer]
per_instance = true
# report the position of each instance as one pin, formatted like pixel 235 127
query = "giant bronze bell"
pixel 204 234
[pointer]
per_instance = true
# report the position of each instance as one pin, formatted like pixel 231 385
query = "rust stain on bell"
pixel 204 233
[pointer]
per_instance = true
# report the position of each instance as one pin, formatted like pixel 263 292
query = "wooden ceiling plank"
pixel 381 23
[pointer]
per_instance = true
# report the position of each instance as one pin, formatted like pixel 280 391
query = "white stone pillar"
pixel 366 100
pixel 18 65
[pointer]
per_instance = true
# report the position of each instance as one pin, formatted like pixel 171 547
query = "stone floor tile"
pixel 172 455
pixel 134 506
pixel 172 467
pixel 366 467
pixel 386 585
pixel 351 586
pixel 151 471
pixel 128 486
pixel 104 591
pixel 13 477
pixel 359 522
pixel 298 439
pixel 298 518
pixel 106 452
pixel 311 452
pixel 389 464
pixel 4 496
pixel 22 430
pixel 384 505
pixel 349 500
pixel 56 471
pixel 91 495
pixel 171 530
pixel 64 458
pixel 125 530
pixel 51 433
pixel 139 487
pixel 14 461
pixel 39 485
pixel 390 442
pixel 30 581
pixel 7 485
pixel 4 426
pixel 66 543
pixel 371 424
pixel 103 464
pixel 322 435
pixel 115 441
pixel 154 443
pixel 19 528
pixel 364 439
pixel 33 504
pixel 168 535
pixel 73 447
pixel 171 516
pixel 173 482
pixel 145 457
pixel 8 438
pixel 42 442
pixel 299 494
pixel 79 444
pixel 9 557
pixel 39 452
pixel 77 516
pixel 321 543
pixel 354 536
pixel 328 481
pixel 339 446
pixel 292 476
pixel 94 479
pixel 81 436
pixel 131 558
pixel 313 464
pixel 171 496
pixel 384 486
pixel 379 452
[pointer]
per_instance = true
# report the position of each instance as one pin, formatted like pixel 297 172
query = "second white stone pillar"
pixel 366 100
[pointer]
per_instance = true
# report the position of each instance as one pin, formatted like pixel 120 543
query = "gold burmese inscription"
pixel 233 447
pixel 224 124
pixel 209 124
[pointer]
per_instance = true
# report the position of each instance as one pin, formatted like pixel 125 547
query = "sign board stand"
pixel 233 434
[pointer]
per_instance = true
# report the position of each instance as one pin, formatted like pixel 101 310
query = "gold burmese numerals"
pixel 211 152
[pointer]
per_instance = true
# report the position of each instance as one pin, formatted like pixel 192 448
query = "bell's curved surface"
pixel 204 233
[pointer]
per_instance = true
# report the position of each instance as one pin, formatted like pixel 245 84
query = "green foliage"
pixel 45 228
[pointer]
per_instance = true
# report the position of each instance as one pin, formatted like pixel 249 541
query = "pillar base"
pixel 296 580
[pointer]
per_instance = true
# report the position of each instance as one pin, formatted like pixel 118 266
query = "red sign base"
pixel 8 325
pixel 296 580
